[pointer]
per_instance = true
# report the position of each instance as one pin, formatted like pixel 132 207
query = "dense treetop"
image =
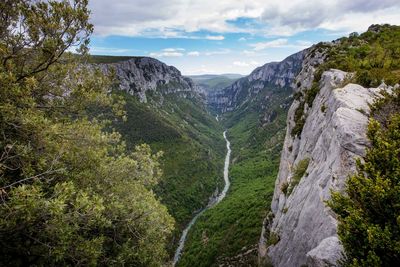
pixel 70 193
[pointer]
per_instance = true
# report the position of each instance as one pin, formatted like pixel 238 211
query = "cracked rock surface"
pixel 333 137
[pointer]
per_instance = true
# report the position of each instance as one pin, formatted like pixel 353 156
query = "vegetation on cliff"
pixel 369 211
pixel 373 56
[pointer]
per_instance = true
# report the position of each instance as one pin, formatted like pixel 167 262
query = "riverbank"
pixel 212 203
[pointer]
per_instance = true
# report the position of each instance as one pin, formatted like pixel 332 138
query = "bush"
pixel 284 187
pixel 273 239
pixel 323 108
pixel 298 173
pixel 299 120
pixel 369 210
pixel 311 94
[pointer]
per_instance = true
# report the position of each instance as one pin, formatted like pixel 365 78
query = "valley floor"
pixel 213 202
pixel 228 233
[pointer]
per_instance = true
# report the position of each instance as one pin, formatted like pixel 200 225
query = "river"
pixel 218 199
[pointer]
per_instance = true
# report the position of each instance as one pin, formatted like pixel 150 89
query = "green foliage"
pixel 298 172
pixel 299 119
pixel 285 187
pixel 385 106
pixel 323 108
pixel 373 55
pixel 97 59
pixel 369 211
pixel 193 147
pixel 285 210
pixel 235 223
pixel 311 94
pixel 70 193
pixel 273 239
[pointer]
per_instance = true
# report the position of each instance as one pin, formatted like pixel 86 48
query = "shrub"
pixel 369 209
pixel 273 239
pixel 299 120
pixel 300 170
pixel 323 108
pixel 298 173
pixel 284 187
pixel 311 94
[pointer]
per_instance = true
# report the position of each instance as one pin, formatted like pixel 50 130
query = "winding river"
pixel 218 199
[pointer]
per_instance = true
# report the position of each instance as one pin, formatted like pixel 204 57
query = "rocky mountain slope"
pixel 253 110
pixel 301 120
pixel 168 112
pixel 213 82
pixel 138 75
pixel 326 133
pixel 275 74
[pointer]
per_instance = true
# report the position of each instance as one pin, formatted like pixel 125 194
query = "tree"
pixel 70 193
pixel 369 211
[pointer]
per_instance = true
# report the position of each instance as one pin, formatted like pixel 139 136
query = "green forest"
pixel 91 176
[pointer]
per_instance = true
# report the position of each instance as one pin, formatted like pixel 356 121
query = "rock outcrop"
pixel 276 74
pixel 302 227
pixel 139 75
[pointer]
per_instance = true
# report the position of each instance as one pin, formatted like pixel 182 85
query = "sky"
pixel 227 36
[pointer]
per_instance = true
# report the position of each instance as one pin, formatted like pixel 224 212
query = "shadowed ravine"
pixel 212 203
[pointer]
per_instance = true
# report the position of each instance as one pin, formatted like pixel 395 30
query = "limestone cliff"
pixel 276 74
pixel 301 229
pixel 139 75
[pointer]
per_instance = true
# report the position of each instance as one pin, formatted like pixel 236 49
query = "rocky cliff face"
pixel 277 74
pixel 139 75
pixel 301 229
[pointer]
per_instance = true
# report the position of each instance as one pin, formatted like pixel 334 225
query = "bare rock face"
pixel 333 136
pixel 139 75
pixel 327 253
pixel 276 74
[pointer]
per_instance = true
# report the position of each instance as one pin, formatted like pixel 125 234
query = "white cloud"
pixel 248 52
pixel 274 43
pixel 166 54
pixel 336 15
pixel 193 53
pixel 245 64
pixel 173 49
pixel 169 17
pixel 217 52
pixel 179 18
pixel 108 50
pixel 215 37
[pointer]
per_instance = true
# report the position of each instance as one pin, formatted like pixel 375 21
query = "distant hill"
pixel 212 82
pixel 97 59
